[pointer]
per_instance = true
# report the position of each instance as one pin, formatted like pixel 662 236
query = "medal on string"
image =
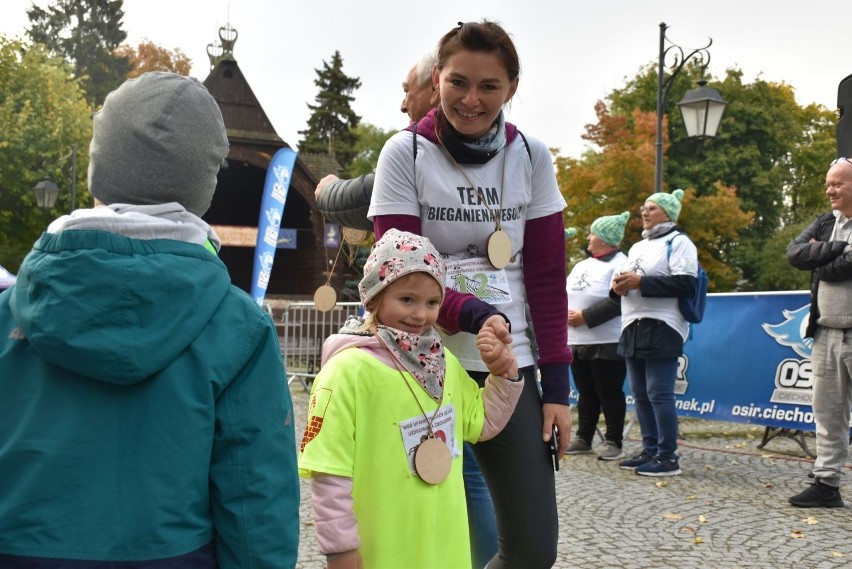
pixel 499 244
pixel 432 457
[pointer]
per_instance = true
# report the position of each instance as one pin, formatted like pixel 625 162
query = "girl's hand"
pixel 500 328
pixel 495 354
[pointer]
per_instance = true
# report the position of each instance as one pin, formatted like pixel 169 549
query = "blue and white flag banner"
pixel 271 211
pixel 747 362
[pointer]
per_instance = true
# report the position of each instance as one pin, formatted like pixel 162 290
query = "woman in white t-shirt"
pixel 594 319
pixel 659 269
pixel 486 196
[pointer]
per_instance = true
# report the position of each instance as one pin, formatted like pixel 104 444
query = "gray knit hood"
pixel 159 138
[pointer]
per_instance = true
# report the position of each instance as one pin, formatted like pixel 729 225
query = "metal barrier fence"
pixel 304 329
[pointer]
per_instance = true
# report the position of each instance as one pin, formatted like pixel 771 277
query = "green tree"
pixel 332 122
pixel 86 33
pixel 770 149
pixel 43 112
pixel 369 142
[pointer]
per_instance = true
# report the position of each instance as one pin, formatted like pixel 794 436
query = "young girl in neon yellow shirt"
pixel 389 411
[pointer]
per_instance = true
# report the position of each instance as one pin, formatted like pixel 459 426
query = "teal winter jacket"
pixel 145 419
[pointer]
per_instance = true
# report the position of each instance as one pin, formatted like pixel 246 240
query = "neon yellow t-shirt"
pixel 357 406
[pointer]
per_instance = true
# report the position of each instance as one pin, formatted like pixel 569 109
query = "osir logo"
pixel 791 332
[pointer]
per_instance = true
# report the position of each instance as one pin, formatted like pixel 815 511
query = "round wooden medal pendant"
pixel 353 236
pixel 325 298
pixel 499 249
pixel 432 460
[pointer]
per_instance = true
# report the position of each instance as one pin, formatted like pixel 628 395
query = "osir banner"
pixel 748 362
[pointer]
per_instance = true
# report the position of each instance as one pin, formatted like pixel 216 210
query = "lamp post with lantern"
pixel 701 108
pixel 46 190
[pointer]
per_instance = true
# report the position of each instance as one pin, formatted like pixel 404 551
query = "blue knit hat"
pixel 610 228
pixel 669 202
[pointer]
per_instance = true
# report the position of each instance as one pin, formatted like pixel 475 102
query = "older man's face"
pixel 838 187
pixel 419 99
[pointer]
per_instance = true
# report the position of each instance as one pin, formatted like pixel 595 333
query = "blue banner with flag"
pixel 271 212
pixel 747 361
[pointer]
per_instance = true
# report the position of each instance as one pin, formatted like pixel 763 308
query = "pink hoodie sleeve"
pixel 499 397
pixel 334 516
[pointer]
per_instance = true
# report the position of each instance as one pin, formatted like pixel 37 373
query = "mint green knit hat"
pixel 669 202
pixel 610 228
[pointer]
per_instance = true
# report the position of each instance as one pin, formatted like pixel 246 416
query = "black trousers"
pixel 518 469
pixel 600 385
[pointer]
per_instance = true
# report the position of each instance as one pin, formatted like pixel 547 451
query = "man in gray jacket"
pixel 346 201
pixel 824 248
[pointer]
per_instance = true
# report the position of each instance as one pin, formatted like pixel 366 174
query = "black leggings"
pixel 518 469
pixel 600 384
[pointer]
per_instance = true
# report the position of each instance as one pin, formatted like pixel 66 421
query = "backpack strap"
pixel 527 144
pixel 414 151
pixel 669 246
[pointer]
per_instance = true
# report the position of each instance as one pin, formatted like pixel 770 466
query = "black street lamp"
pixel 701 108
pixel 47 191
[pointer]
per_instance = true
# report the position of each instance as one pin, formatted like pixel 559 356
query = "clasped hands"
pixel 625 282
pixel 493 342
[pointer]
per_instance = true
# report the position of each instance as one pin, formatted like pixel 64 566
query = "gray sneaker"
pixel 579 446
pixel 610 451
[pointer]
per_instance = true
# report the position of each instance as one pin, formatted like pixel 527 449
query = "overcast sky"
pixel 573 52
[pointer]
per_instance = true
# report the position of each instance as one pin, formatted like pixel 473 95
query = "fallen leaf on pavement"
pixel 702 519
pixel 697 540
pixel 810 520
pixel 837 554
pixel 769 485
pixel 661 484
pixel 797 534
pixel 672 516
pixel 709 467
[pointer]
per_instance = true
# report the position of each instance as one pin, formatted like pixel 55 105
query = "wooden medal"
pixel 499 249
pixel 353 236
pixel 325 298
pixel 432 460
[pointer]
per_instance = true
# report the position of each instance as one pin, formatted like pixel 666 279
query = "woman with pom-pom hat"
pixel 659 269
pixel 594 328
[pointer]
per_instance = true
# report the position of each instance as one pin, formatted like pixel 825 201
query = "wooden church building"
pixel 300 268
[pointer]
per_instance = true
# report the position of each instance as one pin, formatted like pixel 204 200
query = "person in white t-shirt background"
pixel 659 269
pixel 594 320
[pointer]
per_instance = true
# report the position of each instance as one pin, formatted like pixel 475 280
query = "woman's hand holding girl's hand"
pixel 500 328
pixel 495 354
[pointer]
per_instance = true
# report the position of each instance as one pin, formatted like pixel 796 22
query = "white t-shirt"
pixel 459 219
pixel 650 257
pixel 589 283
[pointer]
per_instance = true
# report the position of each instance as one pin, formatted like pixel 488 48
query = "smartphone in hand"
pixel 554 447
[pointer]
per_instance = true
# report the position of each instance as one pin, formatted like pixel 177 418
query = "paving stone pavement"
pixel 728 510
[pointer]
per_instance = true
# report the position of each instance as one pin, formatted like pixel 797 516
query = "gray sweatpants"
pixel 832 386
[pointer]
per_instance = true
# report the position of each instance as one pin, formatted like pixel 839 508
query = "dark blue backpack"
pixel 692 307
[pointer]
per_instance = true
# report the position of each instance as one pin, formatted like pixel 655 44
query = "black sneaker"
pixel 659 467
pixel 818 495
pixel 637 459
